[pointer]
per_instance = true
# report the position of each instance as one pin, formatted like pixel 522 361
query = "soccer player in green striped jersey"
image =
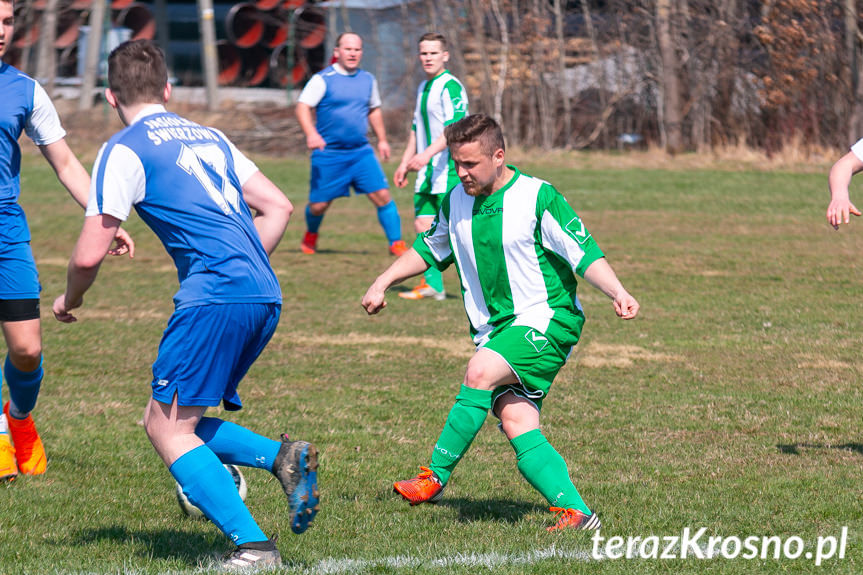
pixel 441 101
pixel 518 248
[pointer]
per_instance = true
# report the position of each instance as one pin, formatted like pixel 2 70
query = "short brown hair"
pixel 476 128
pixel 137 73
pixel 433 37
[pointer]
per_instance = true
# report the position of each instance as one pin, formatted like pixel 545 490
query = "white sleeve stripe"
pixel 558 241
pixel 857 149
pixel 438 245
pixel 375 100
pixel 43 125
pixel 313 92
pixel 119 182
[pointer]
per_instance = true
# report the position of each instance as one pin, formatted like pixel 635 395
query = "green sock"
pixel 545 469
pixel 434 278
pixel 464 421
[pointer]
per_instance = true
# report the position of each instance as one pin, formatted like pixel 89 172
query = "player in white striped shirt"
pixel 518 248
pixel 441 101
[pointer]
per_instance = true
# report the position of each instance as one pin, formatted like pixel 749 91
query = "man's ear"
pixel 111 98
pixel 167 94
pixel 498 157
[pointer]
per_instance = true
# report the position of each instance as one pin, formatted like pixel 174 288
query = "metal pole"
pixel 289 47
pixel 208 51
pixel 162 34
pixel 94 54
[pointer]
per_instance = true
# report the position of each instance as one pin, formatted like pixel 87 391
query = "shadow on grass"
pixel 794 448
pixel 490 509
pixel 333 252
pixel 156 544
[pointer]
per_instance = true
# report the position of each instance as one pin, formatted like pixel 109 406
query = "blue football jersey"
pixel 26 108
pixel 185 181
pixel 342 115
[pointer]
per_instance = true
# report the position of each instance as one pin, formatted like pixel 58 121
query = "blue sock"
pixel 388 216
pixel 210 488
pixel 313 222
pixel 235 444
pixel 23 388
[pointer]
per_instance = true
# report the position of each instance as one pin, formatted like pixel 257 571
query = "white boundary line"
pixel 333 566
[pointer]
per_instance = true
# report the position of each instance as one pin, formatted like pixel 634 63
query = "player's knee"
pixel 26 356
pixel 380 198
pixel 422 224
pixel 318 208
pixel 477 376
pixel 509 426
pixel 150 429
pixel 514 424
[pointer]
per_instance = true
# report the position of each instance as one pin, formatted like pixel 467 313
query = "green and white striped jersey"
pixel 517 252
pixel 440 102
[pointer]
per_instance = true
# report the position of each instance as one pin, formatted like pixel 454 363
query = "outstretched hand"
pixel 626 306
pixel 123 244
pixel 840 211
pixel 374 300
pixel 62 312
pixel 315 142
pixel 400 178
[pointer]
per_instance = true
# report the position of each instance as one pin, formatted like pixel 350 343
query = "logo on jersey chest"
pixel 488 211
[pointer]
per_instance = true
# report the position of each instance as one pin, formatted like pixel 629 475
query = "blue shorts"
pixel 335 171
pixel 206 350
pixel 18 276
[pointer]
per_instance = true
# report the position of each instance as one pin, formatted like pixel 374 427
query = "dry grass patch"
pixel 609 355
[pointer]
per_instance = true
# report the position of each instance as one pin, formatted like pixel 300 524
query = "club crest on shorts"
pixel 536 339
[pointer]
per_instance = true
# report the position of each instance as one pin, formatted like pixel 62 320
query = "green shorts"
pixel 427 205
pixel 534 357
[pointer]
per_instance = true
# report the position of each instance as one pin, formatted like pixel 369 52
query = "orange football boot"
pixel 574 519
pixel 423 291
pixel 398 247
pixel 424 488
pixel 310 243
pixel 29 451
pixel 8 468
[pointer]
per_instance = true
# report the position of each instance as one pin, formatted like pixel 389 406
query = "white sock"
pixel 13 411
pixel 4 427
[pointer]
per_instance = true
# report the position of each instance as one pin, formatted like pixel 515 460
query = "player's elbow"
pixel 283 208
pixel 86 262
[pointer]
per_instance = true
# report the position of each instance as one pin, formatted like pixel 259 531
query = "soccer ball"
pixel 196 513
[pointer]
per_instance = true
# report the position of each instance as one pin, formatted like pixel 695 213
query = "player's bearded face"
pixel 476 169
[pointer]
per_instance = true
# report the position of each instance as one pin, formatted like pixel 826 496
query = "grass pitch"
pixel 732 403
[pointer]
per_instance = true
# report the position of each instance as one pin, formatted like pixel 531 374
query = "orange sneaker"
pixel 574 519
pixel 310 243
pixel 398 247
pixel 424 488
pixel 423 291
pixel 8 468
pixel 29 451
